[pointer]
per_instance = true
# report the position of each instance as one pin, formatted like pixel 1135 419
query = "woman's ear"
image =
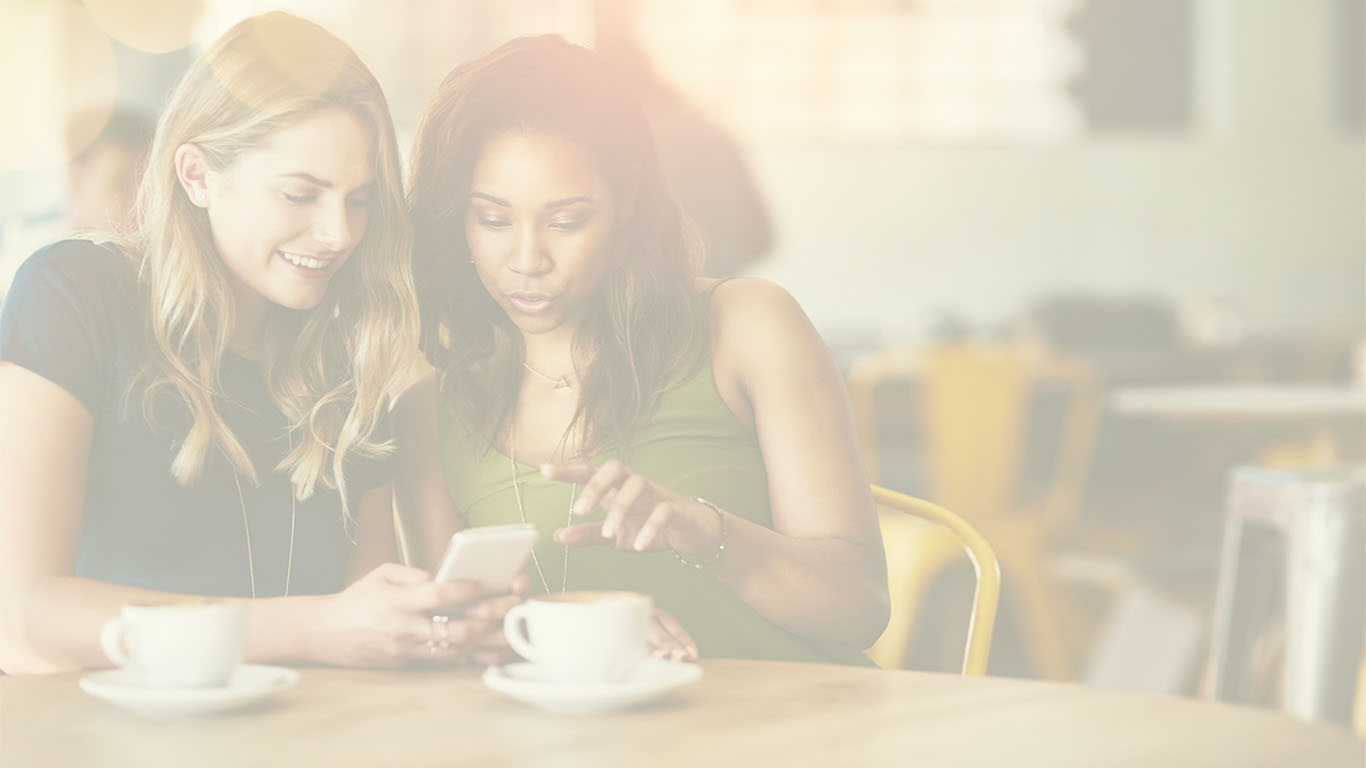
pixel 192 170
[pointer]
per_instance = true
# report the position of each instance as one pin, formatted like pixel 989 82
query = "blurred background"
pixel 1095 269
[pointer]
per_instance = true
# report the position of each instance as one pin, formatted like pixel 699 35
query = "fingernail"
pixel 607 530
pixel 577 509
pixel 546 469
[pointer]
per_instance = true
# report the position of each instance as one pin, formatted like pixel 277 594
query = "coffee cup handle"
pixel 512 628
pixel 111 641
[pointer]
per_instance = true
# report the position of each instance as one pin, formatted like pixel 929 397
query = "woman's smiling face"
pixel 286 215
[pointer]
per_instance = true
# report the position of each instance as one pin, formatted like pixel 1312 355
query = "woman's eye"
pixel 359 202
pixel 566 225
pixel 299 199
pixel 493 223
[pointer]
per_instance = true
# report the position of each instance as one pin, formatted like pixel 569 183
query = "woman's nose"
pixel 334 229
pixel 529 256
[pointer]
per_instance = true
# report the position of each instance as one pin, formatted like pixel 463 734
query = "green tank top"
pixel 692 445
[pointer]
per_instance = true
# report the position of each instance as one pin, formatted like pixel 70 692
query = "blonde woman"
pixel 201 408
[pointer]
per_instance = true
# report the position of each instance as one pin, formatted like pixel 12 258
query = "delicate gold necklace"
pixel 562 383
pixel 293 518
pixel 521 512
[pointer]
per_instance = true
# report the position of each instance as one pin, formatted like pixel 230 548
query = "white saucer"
pixel 249 684
pixel 526 683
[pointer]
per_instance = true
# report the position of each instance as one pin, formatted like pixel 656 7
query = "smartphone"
pixel 491 555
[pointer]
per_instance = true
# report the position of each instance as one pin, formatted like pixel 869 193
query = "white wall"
pixel 883 238
pixel 1259 207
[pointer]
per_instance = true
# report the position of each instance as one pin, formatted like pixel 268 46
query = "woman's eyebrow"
pixel 325 184
pixel 491 199
pixel 568 201
pixel 308 177
pixel 552 204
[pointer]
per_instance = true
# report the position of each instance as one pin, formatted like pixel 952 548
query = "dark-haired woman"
pixel 670 435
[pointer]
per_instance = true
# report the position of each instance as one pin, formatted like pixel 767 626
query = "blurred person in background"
pixel 705 168
pixel 697 430
pixel 103 176
pixel 108 151
pixel 200 408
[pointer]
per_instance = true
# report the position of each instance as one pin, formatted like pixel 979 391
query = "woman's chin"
pixel 298 300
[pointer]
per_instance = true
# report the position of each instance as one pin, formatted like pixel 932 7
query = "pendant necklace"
pixel 561 383
pixel 521 512
pixel 293 518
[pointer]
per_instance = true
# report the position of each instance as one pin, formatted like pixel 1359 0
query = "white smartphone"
pixel 491 555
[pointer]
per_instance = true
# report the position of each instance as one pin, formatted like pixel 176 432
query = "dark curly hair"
pixel 644 333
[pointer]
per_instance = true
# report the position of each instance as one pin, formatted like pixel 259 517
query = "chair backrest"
pixel 986 596
pixel 975 410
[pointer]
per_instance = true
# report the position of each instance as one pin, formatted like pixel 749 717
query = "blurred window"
pixel 410 45
pixel 874 70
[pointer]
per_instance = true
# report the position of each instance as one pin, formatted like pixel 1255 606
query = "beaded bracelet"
pixel 720 546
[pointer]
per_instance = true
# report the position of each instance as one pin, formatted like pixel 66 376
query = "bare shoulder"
pixel 761 338
pixel 753 311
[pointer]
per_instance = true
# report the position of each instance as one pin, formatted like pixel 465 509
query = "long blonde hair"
pixel 329 369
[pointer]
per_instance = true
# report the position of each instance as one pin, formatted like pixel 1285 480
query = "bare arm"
pixel 50 619
pixel 46 445
pixel 424 505
pixel 820 571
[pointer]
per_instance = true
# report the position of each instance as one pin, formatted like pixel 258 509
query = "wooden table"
pixel 741 713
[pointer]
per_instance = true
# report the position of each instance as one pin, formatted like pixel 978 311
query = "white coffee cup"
pixel 184 644
pixel 582 637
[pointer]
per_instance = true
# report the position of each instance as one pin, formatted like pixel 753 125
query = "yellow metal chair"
pixel 974 408
pixel 914 553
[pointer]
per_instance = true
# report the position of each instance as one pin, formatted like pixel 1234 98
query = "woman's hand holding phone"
pixel 488 644
pixel 487 560
pixel 396 615
pixel 383 619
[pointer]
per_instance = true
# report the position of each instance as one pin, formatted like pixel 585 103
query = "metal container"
pixel 1290 605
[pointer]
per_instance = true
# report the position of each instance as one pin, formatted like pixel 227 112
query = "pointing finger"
pixel 582 535
pixel 609 476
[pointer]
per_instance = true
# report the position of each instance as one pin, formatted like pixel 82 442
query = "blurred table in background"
pixel 1212 401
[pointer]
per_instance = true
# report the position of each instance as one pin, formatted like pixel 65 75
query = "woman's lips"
pixel 530 303
pixel 306 266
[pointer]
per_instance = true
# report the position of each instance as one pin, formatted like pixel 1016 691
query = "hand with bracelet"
pixel 643 517
pixel 640 515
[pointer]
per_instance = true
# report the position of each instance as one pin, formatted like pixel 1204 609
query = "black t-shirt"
pixel 73 316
